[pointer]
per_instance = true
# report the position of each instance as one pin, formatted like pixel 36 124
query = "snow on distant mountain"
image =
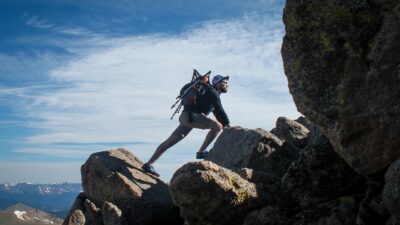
pixel 21 214
pixel 44 189
pixel 52 198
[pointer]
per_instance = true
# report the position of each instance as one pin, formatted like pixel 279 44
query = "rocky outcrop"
pixel 237 148
pixel 317 186
pixel 241 182
pixel 117 191
pixel 342 62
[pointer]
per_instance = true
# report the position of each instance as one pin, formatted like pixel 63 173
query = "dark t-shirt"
pixel 210 102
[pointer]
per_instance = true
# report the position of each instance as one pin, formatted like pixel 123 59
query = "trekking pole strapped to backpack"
pixel 197 80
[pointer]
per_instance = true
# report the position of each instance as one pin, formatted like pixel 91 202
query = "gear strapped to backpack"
pixel 190 92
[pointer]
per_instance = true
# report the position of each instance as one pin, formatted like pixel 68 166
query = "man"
pixel 196 117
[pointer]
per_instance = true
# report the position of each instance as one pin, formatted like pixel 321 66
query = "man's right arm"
pixel 219 111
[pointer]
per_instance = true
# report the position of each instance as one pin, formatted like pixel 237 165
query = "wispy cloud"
pixel 34 21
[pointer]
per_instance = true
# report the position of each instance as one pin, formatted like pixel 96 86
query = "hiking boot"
pixel 150 169
pixel 201 155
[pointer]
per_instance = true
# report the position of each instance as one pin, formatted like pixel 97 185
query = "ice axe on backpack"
pixel 197 79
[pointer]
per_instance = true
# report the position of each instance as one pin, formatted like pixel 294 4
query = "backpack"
pixel 192 91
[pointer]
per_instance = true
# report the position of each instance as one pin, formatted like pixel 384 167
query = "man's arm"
pixel 219 111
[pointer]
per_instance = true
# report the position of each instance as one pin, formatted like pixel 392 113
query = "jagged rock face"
pixel 342 62
pixel 209 194
pixel 116 190
pixel 237 148
pixel 319 175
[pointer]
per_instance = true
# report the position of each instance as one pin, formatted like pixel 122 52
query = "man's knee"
pixel 217 127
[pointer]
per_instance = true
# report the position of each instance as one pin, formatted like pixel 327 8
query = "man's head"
pixel 220 83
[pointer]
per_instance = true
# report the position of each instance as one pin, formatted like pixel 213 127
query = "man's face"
pixel 223 86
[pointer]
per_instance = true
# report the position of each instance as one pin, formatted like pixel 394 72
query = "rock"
pixel 83 211
pixel 342 62
pixel 258 149
pixel 291 131
pixel 305 122
pixel 319 175
pixel 209 194
pixel 341 211
pixel 315 135
pixel 391 191
pixel 92 213
pixel 111 214
pixel 75 215
pixel 116 176
pixel 266 183
pixel 269 215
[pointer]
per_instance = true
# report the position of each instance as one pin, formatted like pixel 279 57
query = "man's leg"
pixel 180 132
pixel 203 122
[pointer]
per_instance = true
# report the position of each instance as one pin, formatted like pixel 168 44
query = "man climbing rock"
pixel 195 116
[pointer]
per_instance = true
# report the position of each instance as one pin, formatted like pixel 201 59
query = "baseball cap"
pixel 218 78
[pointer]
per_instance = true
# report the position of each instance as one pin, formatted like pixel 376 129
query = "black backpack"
pixel 192 91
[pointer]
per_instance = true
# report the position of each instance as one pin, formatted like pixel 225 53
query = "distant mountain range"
pixel 51 198
pixel 20 214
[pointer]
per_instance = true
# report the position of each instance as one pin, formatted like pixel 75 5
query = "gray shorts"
pixel 200 121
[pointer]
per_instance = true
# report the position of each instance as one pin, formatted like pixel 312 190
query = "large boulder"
pixel 209 194
pixel 342 62
pixel 116 190
pixel 237 148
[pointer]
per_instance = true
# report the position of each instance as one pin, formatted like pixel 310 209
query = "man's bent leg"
pixel 201 121
pixel 216 128
pixel 180 132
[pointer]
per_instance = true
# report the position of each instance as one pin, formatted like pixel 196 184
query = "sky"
pixel 79 77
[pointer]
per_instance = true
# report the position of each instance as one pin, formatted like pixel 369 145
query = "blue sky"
pixel 79 77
